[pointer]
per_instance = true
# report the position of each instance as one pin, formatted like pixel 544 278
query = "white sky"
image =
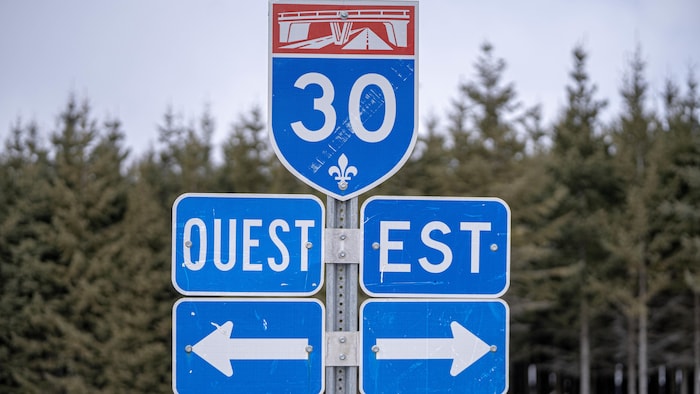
pixel 134 58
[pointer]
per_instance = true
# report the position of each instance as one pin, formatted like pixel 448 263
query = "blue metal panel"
pixel 432 246
pixel 244 244
pixel 394 333
pixel 314 162
pixel 239 327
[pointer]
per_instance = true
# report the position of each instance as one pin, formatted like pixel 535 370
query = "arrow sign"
pixel 218 348
pixel 464 348
pixel 253 346
pixel 414 346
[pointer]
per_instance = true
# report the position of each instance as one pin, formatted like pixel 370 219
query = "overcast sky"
pixel 134 58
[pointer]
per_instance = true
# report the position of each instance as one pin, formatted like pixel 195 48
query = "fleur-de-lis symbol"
pixel 342 172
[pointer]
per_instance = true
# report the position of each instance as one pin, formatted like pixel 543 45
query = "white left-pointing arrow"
pixel 218 348
pixel 464 348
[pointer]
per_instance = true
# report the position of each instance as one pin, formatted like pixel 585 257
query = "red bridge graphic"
pixel 340 31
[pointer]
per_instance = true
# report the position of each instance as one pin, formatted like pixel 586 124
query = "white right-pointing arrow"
pixel 218 348
pixel 464 348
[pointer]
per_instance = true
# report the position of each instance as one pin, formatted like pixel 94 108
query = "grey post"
pixel 341 296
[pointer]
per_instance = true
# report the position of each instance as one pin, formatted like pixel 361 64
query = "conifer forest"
pixel 605 258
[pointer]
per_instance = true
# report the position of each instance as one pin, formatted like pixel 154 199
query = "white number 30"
pixel 324 104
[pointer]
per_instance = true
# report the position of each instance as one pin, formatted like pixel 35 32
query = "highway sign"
pixel 437 346
pixel 247 244
pixel 435 247
pixel 248 346
pixel 343 86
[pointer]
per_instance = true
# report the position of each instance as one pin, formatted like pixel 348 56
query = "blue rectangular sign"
pixel 248 346
pixel 246 244
pixel 435 246
pixel 437 346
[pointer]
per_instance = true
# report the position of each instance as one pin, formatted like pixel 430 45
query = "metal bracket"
pixel 342 246
pixel 341 348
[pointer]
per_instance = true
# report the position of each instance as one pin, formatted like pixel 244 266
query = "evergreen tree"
pixel 186 158
pixel 635 135
pixel 89 202
pixel 143 296
pixel 70 205
pixel 583 186
pixel 26 281
pixel 486 145
pixel 677 241
pixel 71 237
pixel 246 166
pixel 534 280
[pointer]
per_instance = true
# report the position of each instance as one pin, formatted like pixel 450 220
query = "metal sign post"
pixel 342 259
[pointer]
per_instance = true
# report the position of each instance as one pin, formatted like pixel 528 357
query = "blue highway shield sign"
pixel 343 91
